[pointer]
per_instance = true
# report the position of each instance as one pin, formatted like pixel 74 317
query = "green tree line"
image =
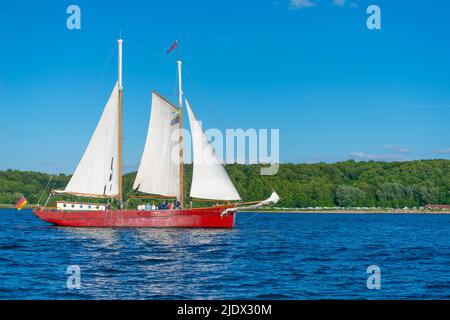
pixel 345 184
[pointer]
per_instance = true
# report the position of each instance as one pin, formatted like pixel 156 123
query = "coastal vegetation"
pixel 342 184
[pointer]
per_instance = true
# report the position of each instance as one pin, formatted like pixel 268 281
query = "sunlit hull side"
pixel 180 218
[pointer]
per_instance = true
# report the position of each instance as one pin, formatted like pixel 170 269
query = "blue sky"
pixel 335 89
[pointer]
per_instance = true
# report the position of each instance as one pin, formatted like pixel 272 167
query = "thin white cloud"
pixel 339 3
pixel 48 163
pixel 300 4
pixel 396 148
pixel 379 157
pixel 443 151
pixel 430 107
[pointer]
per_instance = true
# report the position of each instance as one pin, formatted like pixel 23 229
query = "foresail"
pixel 97 173
pixel 159 170
pixel 209 178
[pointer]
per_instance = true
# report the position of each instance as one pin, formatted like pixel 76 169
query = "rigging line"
pixel 49 180
pixel 100 77
pixel 148 52
pixel 94 89
pixel 208 105
pixel 53 187
pixel 143 49
pixel 54 183
pixel 131 190
pixel 217 116
pixel 50 194
pixel 263 178
pixel 252 216
pixel 161 58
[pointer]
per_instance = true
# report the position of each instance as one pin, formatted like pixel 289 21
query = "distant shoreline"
pixel 395 211
pixel 356 185
pixel 349 211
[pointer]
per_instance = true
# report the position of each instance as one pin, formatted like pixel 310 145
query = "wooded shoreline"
pixel 318 186
pixel 300 211
pixel 397 211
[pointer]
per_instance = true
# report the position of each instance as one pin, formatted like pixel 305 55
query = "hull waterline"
pixel 178 218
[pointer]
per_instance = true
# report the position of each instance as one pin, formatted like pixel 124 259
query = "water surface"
pixel 267 256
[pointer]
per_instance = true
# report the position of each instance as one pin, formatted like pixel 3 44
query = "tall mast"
pixel 180 106
pixel 119 81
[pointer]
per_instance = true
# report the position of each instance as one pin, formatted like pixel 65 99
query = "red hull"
pixel 181 218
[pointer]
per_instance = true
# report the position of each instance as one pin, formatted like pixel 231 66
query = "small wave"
pixel 113 270
pixel 437 286
pixel 318 259
pixel 168 297
pixel 156 260
pixel 11 247
pixel 3 259
pixel 273 296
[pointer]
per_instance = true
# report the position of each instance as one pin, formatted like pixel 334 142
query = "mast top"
pixel 119 78
pixel 180 86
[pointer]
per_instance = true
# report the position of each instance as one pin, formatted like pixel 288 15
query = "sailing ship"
pixel 160 174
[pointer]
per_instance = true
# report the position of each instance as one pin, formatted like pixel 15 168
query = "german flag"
pixel 21 203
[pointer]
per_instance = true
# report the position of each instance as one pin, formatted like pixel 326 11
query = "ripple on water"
pixel 271 256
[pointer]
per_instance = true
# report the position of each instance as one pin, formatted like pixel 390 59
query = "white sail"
pixel 97 173
pixel 159 170
pixel 209 178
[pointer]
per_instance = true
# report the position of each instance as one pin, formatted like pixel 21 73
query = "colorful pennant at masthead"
pixel 174 45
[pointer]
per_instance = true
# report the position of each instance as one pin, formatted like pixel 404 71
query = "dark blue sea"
pixel 267 256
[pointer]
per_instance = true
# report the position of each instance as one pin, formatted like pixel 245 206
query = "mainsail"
pixel 97 173
pixel 159 170
pixel 209 178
